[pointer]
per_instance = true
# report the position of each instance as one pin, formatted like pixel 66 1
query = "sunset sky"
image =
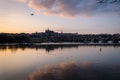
pixel 82 16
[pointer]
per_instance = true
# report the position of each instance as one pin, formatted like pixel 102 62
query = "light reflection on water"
pixel 84 62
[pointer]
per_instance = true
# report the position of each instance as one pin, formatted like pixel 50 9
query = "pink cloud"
pixel 23 1
pixel 74 7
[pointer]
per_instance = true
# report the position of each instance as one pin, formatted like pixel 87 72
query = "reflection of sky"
pixel 15 17
pixel 24 62
pixel 75 71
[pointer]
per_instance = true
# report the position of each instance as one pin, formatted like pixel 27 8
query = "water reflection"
pixel 100 49
pixel 75 71
pixel 65 62
pixel 52 47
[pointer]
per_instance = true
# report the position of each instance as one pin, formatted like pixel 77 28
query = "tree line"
pixel 58 37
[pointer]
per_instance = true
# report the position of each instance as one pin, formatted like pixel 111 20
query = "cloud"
pixel 23 1
pixel 75 71
pixel 63 71
pixel 75 7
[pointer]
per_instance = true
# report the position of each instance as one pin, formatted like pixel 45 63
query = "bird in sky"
pixel 32 14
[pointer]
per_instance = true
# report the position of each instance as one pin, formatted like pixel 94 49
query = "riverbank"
pixel 62 43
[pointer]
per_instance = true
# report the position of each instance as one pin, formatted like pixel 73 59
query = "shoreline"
pixel 62 43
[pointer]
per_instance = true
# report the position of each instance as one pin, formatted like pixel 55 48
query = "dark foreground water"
pixel 60 62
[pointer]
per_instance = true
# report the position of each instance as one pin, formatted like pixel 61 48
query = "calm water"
pixel 61 62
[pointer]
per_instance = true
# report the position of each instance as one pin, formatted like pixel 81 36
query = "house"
pixel 109 42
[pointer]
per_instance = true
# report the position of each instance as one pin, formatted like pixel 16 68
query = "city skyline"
pixel 84 17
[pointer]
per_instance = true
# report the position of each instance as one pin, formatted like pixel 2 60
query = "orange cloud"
pixel 23 1
pixel 60 71
pixel 73 7
pixel 75 71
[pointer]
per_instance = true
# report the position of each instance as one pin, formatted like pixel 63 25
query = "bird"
pixel 32 14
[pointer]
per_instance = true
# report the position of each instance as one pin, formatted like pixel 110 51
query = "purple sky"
pixel 82 16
